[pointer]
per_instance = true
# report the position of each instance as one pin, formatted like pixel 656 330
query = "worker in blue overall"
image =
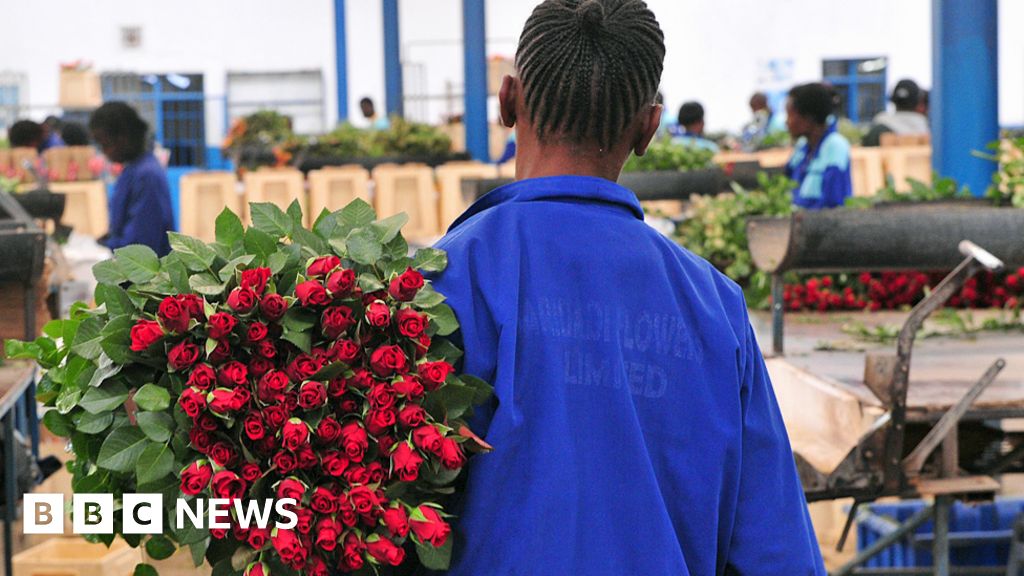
pixel 820 164
pixel 140 210
pixel 634 426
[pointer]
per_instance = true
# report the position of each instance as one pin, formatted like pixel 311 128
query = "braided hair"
pixel 589 66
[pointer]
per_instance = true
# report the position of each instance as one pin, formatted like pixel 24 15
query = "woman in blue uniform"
pixel 140 210
pixel 821 159
pixel 634 424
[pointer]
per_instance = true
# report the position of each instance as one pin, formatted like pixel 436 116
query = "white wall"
pixel 716 50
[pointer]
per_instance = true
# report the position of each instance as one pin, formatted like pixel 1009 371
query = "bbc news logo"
pixel 143 513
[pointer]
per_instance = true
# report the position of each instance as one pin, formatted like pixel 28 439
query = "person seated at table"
pixel 690 128
pixel 820 164
pixel 140 210
pixel 74 134
pixel 906 120
pixel 369 112
pixel 26 134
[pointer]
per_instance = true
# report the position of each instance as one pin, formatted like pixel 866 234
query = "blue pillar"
pixel 392 60
pixel 965 93
pixel 474 38
pixel 341 59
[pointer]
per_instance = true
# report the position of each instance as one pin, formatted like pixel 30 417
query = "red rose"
pixel 361 379
pixel 378 421
pixel 408 386
pixel 291 488
pixel 294 433
pixel 303 367
pixel 396 521
pixel 352 555
pixel 240 399
pixel 354 441
pixel 258 537
pixel 452 456
pixel 381 396
pixel 433 529
pixel 412 416
pixel 411 323
pixel 202 377
pixel 257 569
pixel 344 351
pixel 195 478
pixel 376 472
pixel 378 314
pixel 232 374
pixel 307 458
pixel 406 462
pixel 251 472
pixel 206 423
pixel 218 533
pixel 144 333
pixel 193 305
pixel 173 314
pixel 363 499
pixel 387 360
pixel 223 454
pixel 254 427
pixel 349 405
pixel 327 533
pixel 192 402
pixel 255 279
pixel 334 463
pixel 356 475
pixel 273 307
pixel 259 366
pixel 256 332
pixel 336 320
pixel 305 524
pixel 341 282
pixel 287 544
pixel 271 386
pixel 285 462
pixel 220 400
pixel 266 349
pixel 221 324
pixel 347 514
pixel 422 346
pixel 434 374
pixel 183 355
pixel 428 439
pixel 323 501
pixel 328 430
pixel 385 551
pixel 221 352
pixel 227 484
pixel 384 443
pixel 312 293
pixel 312 395
pixel 242 300
pixel 404 287
pixel 323 265
pixel 275 416
pixel 336 387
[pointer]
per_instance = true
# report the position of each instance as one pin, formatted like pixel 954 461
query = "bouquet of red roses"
pixel 278 362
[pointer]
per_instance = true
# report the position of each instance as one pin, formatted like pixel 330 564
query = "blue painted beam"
pixel 341 59
pixel 965 89
pixel 474 38
pixel 392 60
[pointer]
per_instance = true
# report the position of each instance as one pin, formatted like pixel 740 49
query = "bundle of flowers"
pixel 276 363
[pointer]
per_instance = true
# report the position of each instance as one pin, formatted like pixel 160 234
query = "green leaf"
pixel 277 261
pixel 160 547
pixel 144 570
pixel 388 228
pixel 450 401
pixel 363 247
pixel 443 319
pixel 228 228
pixel 430 260
pixel 356 214
pixel 295 213
pixel 109 272
pixel 152 398
pixel 303 339
pixel 94 423
pixel 18 350
pixel 117 339
pixel 242 557
pixel 314 245
pixel 481 389
pixel 299 319
pixel 229 269
pixel 206 284
pixel 87 341
pixel 397 248
pixel 68 398
pixel 427 297
pixel 155 462
pixel 115 299
pixel 443 349
pixel 260 244
pixel 105 369
pixel 369 282
pixel 139 263
pixel 63 329
pixel 104 398
pixel 198 550
pixel 59 424
pixel 325 225
pixel 435 558
pixel 122 448
pixel 157 426
pixel 270 219
pixel 194 253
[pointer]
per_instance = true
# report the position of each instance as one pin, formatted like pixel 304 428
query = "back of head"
pixel 906 95
pixel 25 134
pixel 815 101
pixel 691 113
pixel 120 122
pixel 74 134
pixel 758 101
pixel 588 67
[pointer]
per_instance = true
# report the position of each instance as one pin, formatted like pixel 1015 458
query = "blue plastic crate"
pixel 979 533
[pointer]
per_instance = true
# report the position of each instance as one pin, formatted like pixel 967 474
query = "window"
pixel 297 94
pixel 860 84
pixel 12 88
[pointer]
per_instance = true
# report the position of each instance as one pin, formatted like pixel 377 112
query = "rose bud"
pixel 354 441
pixel 275 416
pixel 361 379
pixel 242 300
pixel 404 287
pixel 312 395
pixel 200 440
pixel 257 569
pixel 323 501
pixel 452 456
pixel 221 324
pixel 387 360
pixel 240 399
pixel 341 282
pixel 291 488
pixel 422 346
pixel 385 551
pixel 258 537
pixel 379 421
pixel 220 400
pixel 356 475
pixel 328 430
pixel 223 454
pixel 303 367
pixel 327 533
pixel 384 443
pixel 376 472
pixel 273 307
pixel 173 314
pixel 352 553
pixel 218 533
pixel 195 478
pixel 227 484
pixel 294 434
pixel 307 458
pixel 287 544
pixel 411 324
pixel 192 402
pixel 433 374
pixel 363 499
pixel 406 462
pixel 349 405
pixel 202 377
pixel 305 524
pixel 144 333
pixel 256 332
pixel 336 387
pixel 378 314
pixel 334 463
pixel 433 529
pixel 396 520
pixel 316 566
pixel 312 293
pixel 344 351
pixel 251 472
pixel 323 265
pixel 428 439
pixel 408 386
pixel 259 366
pixel 232 374
pixel 183 355
pixel 255 279
pixel 336 320
pixel 381 395
pixel 254 427
pixel 221 352
pixel 193 305
pixel 412 416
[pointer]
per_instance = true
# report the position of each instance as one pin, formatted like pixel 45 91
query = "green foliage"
pixel 264 128
pixel 941 189
pixel 664 155
pixel 401 138
pixel 1008 182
